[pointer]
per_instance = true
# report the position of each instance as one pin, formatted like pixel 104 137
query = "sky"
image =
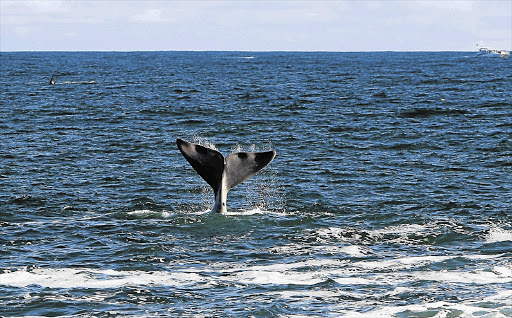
pixel 350 25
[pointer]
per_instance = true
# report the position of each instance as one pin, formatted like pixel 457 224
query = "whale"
pixel 223 173
pixel 52 80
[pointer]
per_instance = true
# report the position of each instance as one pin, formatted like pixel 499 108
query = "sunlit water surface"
pixel 390 195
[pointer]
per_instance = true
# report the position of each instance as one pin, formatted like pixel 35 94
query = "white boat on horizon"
pixel 485 51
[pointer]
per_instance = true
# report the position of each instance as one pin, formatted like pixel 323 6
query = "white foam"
pixel 255 211
pixel 402 229
pixel 483 257
pixel 94 278
pixel 163 214
pixel 284 274
pixel 141 212
pixel 476 277
pixel 316 293
pixel 308 272
pixel 352 250
pixel 281 267
pixel 503 296
pixel 330 233
pixel 386 275
pixel 401 263
pixel 497 234
pixel 167 214
pixel 444 310
pixel 260 277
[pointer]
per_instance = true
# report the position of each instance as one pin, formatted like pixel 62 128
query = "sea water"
pixel 390 195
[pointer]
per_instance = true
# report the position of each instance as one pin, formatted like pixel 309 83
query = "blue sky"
pixel 406 25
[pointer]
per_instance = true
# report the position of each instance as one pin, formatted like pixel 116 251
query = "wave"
pixel 94 278
pixel 322 281
pixel 392 271
pixel 362 279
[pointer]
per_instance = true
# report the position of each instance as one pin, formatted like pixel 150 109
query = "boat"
pixel 485 51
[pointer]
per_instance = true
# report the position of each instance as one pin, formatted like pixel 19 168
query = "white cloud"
pixel 254 25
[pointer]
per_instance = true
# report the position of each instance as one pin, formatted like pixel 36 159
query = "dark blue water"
pixel 390 195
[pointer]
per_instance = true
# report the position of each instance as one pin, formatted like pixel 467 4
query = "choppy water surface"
pixel 390 194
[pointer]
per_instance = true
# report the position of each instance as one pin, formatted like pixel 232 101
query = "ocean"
pixel 390 194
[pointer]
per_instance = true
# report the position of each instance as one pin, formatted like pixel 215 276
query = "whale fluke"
pixel 222 174
pixel 52 80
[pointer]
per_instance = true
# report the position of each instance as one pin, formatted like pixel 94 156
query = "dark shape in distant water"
pixel 428 112
pixel 221 173
pixel 53 80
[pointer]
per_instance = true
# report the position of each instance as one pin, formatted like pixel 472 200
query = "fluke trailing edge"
pixel 221 173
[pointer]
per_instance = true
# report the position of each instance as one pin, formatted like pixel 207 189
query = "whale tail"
pixel 222 174
pixel 53 80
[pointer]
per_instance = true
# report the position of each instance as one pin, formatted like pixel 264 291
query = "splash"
pixel 203 141
pixel 263 192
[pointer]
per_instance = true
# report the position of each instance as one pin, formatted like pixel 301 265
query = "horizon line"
pixel 254 51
